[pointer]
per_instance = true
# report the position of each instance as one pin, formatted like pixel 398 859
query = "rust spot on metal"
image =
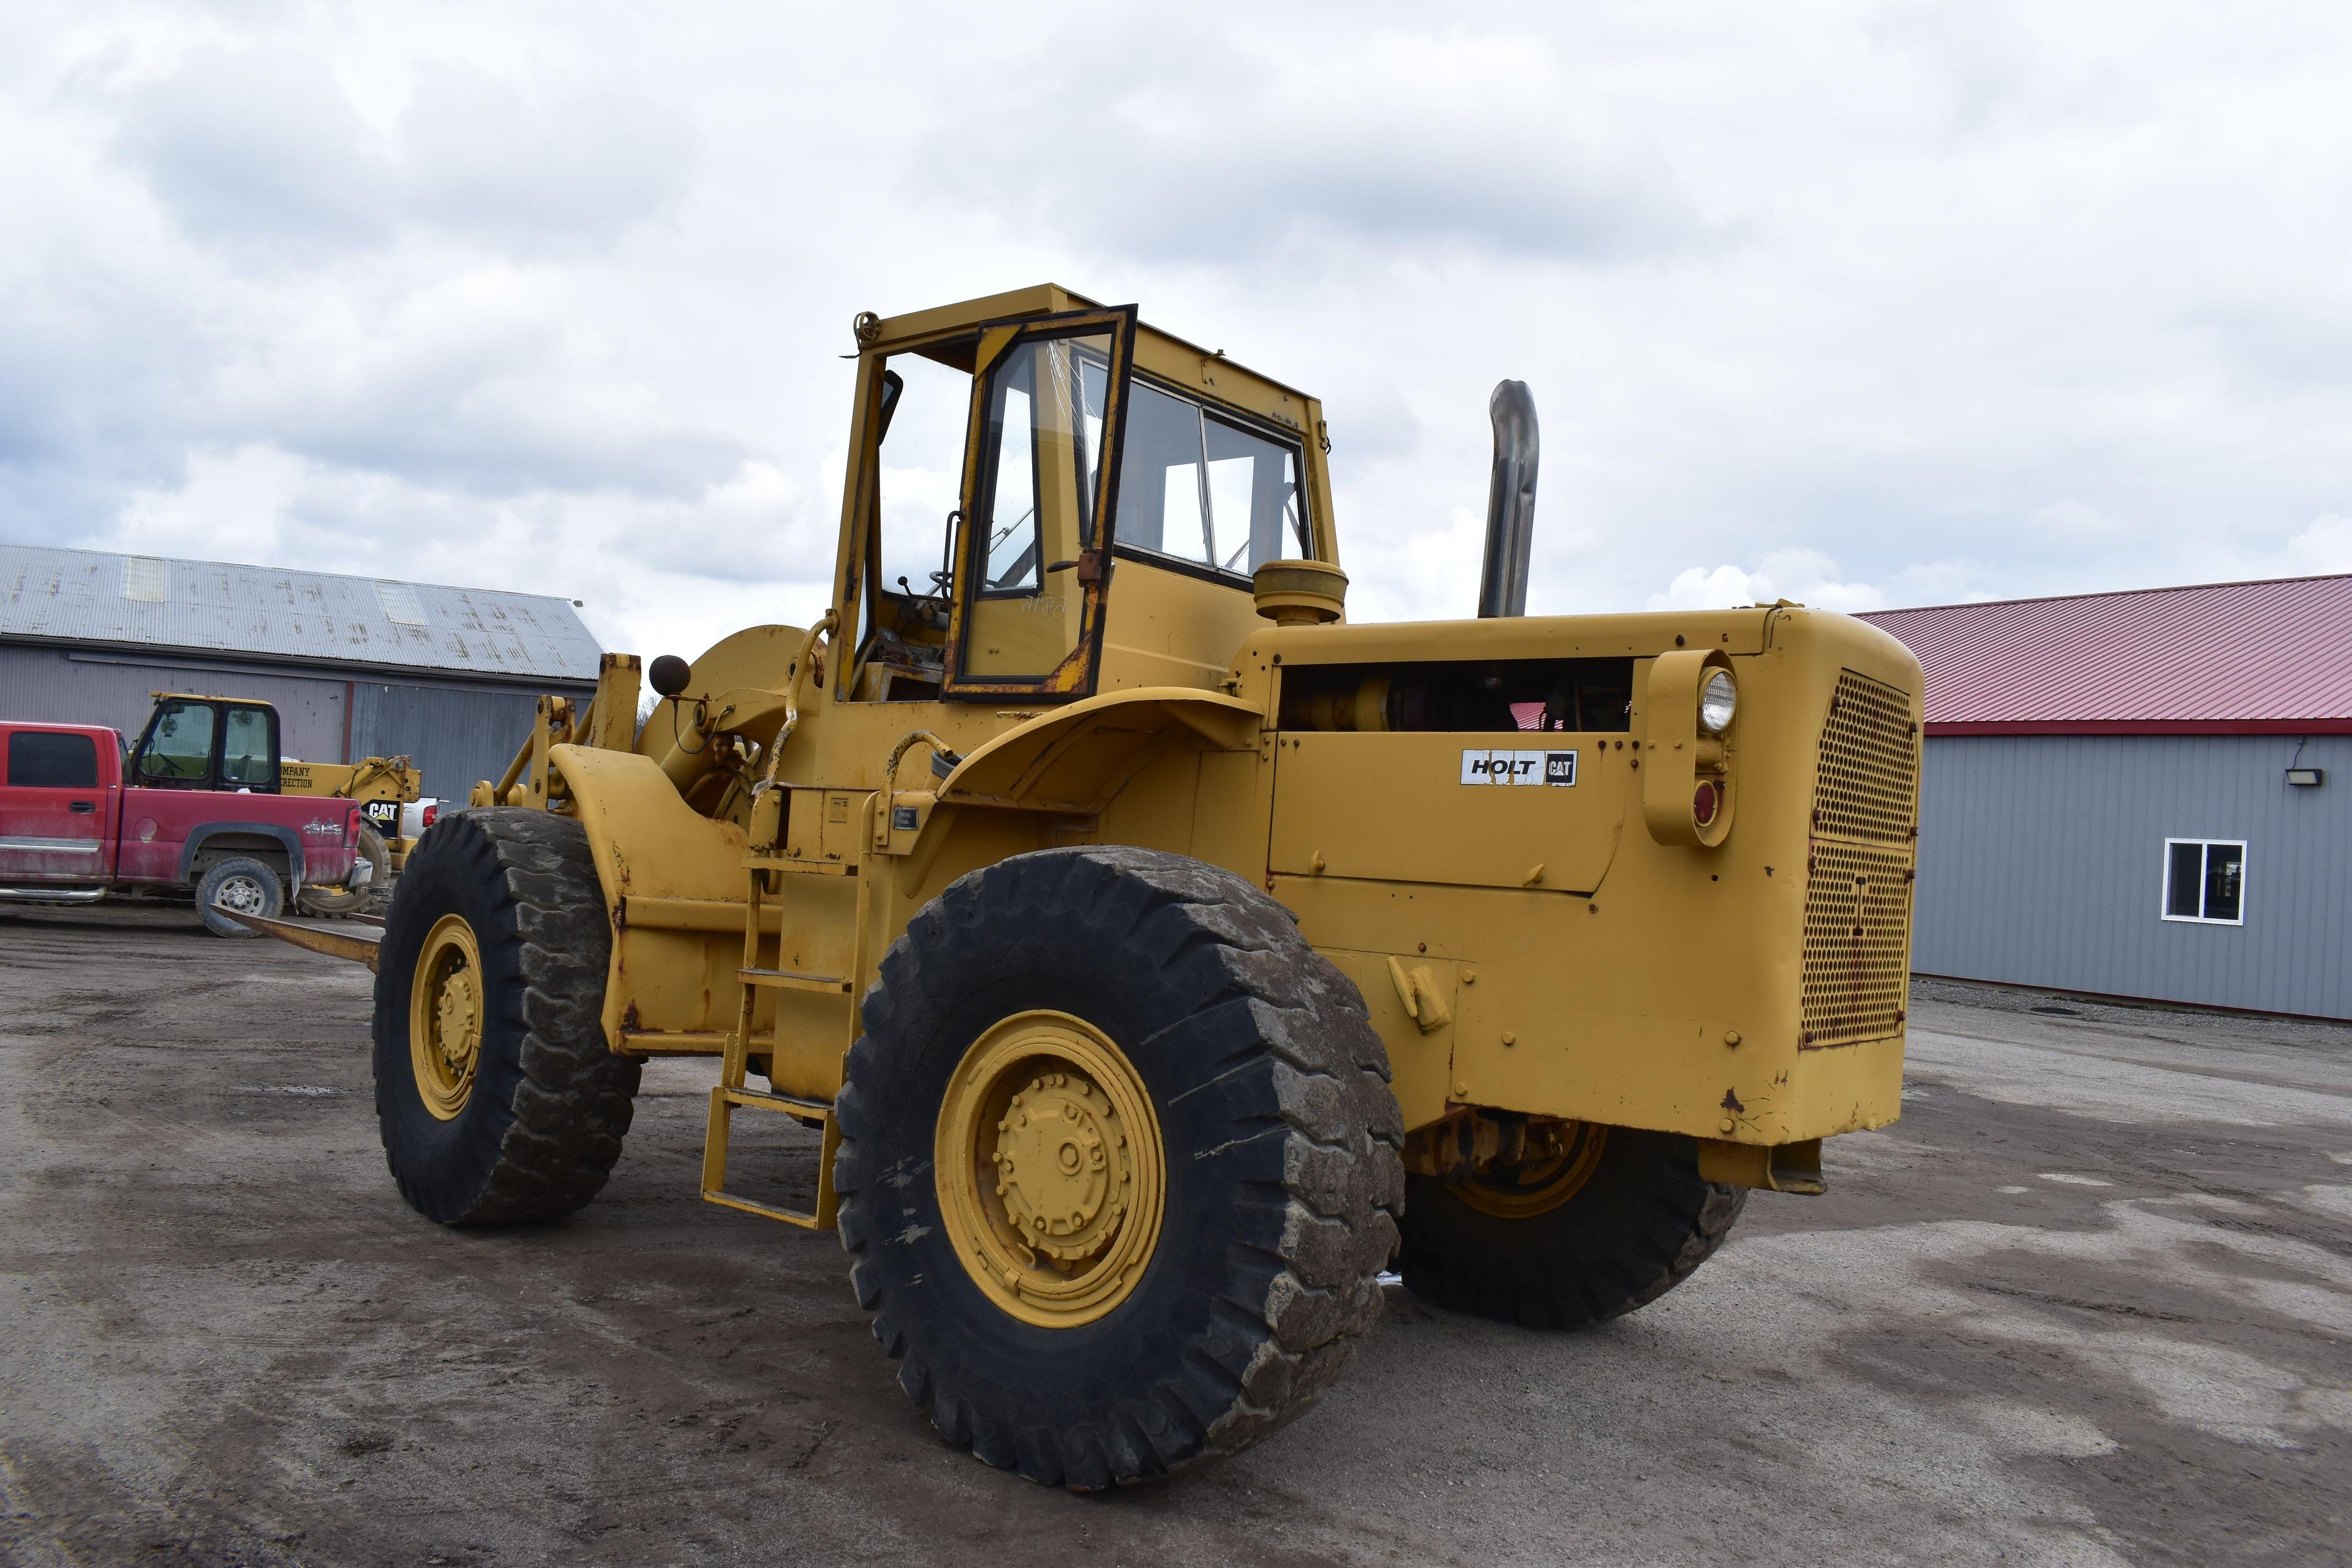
pixel 630 1022
pixel 1731 1102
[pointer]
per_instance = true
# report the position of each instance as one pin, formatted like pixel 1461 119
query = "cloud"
pixel 1243 141
pixel 477 384
pixel 260 151
pixel 489 159
pixel 1896 303
pixel 256 245
pixel 2324 547
pixel 1808 576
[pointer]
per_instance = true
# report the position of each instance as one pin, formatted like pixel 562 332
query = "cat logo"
pixel 1485 767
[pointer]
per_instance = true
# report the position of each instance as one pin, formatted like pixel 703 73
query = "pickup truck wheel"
pixel 339 900
pixel 1119 1164
pixel 1622 1220
pixel 498 1098
pixel 242 884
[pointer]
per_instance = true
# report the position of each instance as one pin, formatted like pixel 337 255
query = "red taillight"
pixel 430 813
pixel 1705 802
pixel 352 826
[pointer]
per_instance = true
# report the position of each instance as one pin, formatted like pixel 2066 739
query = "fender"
pixel 1004 798
pixel 1079 757
pixel 296 865
pixel 673 889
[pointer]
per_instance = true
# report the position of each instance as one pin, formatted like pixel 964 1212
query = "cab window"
pixel 919 473
pixel 1205 490
pixel 38 759
pixel 248 749
pixel 180 746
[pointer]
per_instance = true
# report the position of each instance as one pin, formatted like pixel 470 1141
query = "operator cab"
pixel 207 742
pixel 1012 457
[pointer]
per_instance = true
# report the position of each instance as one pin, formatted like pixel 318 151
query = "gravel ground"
pixel 2087 1303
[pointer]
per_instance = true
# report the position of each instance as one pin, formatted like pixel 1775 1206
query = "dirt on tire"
pixel 1284 1183
pixel 551 1102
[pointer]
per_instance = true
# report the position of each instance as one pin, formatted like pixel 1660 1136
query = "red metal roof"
pixel 2269 657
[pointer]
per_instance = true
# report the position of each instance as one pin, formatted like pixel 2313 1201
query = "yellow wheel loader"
pixel 1161 956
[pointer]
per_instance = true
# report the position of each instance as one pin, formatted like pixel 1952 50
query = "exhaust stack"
pixel 1510 502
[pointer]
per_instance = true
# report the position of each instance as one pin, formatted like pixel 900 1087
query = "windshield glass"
pixel 1205 490
pixel 181 745
pixel 1035 514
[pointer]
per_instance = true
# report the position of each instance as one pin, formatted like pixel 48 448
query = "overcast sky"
pixel 1864 304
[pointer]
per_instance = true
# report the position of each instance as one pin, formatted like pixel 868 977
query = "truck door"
pixel 53 810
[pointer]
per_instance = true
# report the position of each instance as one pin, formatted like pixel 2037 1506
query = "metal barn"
pixel 357 667
pixel 2144 795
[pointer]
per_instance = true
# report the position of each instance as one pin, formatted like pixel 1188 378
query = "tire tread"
pixel 1333 1199
pixel 574 1102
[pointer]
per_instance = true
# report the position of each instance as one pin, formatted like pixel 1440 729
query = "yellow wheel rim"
pixel 1542 1186
pixel 445 1016
pixel 1051 1172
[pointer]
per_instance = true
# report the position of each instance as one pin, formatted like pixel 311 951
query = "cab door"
pixel 53 809
pixel 1040 478
pixel 178 749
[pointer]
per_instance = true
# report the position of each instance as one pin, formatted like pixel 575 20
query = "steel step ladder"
pixel 732 1093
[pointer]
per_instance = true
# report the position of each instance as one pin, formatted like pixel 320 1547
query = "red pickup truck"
pixel 200 814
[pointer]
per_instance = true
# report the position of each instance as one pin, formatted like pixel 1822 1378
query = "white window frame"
pixel 2164 883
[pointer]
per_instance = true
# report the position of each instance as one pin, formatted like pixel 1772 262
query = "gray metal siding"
pixel 455 736
pixel 49 684
pixel 455 733
pixel 2041 863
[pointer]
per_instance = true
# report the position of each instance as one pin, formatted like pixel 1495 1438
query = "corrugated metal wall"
pixel 49 684
pixel 2041 863
pixel 455 732
pixel 455 735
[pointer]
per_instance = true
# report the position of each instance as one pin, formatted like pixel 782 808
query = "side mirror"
pixel 669 675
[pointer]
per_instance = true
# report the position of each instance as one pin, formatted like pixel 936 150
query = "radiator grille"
pixel 1857 944
pixel 1859 870
pixel 1868 782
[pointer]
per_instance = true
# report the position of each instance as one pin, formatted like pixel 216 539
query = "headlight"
pixel 1717 701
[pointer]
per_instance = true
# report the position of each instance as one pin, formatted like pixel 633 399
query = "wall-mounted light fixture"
pixel 2306 778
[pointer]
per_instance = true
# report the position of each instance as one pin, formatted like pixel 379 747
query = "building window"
pixel 2205 881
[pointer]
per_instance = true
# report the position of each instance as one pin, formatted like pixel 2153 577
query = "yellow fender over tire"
pixel 1083 754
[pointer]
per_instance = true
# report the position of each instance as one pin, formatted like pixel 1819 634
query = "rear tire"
pixel 1264 1165
pixel 242 884
pixel 1635 1228
pixel 504 909
pixel 330 900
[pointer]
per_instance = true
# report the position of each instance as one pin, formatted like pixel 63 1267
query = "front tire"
pixel 498 1098
pixel 1119 1164
pixel 1615 1231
